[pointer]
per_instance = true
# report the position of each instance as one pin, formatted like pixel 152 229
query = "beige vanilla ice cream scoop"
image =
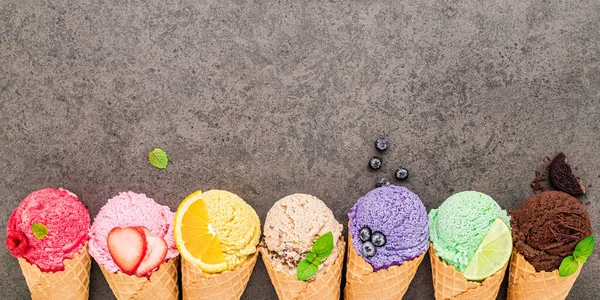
pixel 292 226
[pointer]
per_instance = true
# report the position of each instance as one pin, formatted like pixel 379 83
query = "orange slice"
pixel 195 236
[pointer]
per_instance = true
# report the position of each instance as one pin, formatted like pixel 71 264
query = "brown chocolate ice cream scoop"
pixel 548 227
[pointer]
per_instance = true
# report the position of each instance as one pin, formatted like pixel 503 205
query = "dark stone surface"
pixel 268 98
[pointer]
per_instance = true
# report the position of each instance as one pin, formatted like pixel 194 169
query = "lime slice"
pixel 493 253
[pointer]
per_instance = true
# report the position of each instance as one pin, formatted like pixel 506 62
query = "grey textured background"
pixel 268 98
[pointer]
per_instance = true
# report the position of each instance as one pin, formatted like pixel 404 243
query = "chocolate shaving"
pixel 535 184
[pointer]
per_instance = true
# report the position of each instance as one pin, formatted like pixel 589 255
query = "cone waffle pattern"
pixel 448 283
pixel 161 285
pixel 326 286
pixel 223 286
pixel 363 283
pixel 71 284
pixel 525 283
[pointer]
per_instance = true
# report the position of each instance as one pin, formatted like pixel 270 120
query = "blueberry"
pixel 383 182
pixel 378 239
pixel 402 174
pixel 365 233
pixel 375 163
pixel 368 249
pixel 381 144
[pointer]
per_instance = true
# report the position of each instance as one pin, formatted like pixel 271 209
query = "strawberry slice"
pixel 127 246
pixel 155 255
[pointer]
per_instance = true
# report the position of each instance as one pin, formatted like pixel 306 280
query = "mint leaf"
pixel 323 246
pixel 158 158
pixel 321 249
pixel 39 230
pixel 568 266
pixel 305 270
pixel 580 259
pixel 317 262
pixel 584 249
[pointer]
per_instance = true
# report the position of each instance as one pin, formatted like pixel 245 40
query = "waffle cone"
pixel 73 283
pixel 197 285
pixel 161 285
pixel 363 283
pixel 525 283
pixel 449 283
pixel 326 286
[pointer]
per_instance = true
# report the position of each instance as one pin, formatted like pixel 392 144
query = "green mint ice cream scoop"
pixel 459 225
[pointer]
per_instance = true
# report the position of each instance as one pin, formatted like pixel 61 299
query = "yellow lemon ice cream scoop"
pixel 236 223
pixel 217 230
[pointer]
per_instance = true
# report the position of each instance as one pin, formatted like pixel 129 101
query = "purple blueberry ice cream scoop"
pixel 400 216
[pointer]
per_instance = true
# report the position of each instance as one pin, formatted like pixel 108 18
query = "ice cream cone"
pixel 525 283
pixel 197 285
pixel 326 286
pixel 363 283
pixel 448 283
pixel 71 284
pixel 161 285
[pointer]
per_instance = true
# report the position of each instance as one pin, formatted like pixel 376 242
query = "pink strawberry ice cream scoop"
pixel 67 222
pixel 130 209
